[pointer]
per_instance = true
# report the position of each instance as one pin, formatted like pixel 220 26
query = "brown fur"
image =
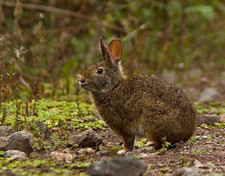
pixel 144 106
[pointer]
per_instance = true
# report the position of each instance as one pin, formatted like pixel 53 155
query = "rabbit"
pixel 141 105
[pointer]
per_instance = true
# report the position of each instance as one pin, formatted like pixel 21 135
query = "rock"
pixel 141 153
pixel 90 151
pixel 59 156
pixel 205 137
pixel 87 138
pixel 209 94
pixel 81 151
pixel 169 76
pixel 145 155
pixel 22 140
pixel 4 141
pixel 208 119
pixel 103 152
pixel 85 151
pixel 6 131
pixel 198 164
pixel 222 117
pixel 146 150
pixel 41 126
pixel 195 73
pixel 187 172
pixel 68 158
pixel 66 151
pixel 115 167
pixel 16 154
pixel 204 80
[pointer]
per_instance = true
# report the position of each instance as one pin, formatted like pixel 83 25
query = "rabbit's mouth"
pixel 83 84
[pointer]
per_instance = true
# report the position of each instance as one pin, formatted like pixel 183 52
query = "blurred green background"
pixel 45 43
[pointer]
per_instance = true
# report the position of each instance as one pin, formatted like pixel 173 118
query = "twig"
pixel 48 9
pixel 62 12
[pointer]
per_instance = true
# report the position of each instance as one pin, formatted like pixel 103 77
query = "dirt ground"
pixel 204 151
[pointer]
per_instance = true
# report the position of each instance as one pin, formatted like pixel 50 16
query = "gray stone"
pixel 117 167
pixel 59 156
pixel 103 152
pixel 195 73
pixel 41 126
pixel 6 131
pixel 22 140
pixel 4 141
pixel 208 119
pixel 209 94
pixel 87 138
pixel 200 165
pixel 187 172
pixel 16 154
pixel 145 155
pixel 146 150
pixel 81 151
pixel 169 76
pixel 222 117
pixel 90 151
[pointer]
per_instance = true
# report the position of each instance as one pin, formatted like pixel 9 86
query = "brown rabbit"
pixel 144 106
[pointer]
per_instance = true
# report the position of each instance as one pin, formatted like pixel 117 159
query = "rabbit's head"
pixel 106 74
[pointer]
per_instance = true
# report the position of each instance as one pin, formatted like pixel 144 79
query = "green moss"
pixel 2 153
pixel 61 118
pixel 54 114
pixel 216 107
pixel 35 167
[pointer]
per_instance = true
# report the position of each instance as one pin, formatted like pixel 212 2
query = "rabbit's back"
pixel 148 106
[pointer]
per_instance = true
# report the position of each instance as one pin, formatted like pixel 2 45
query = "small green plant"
pixel 4 114
pixel 164 170
pixel 193 139
pixel 164 148
pixel 2 153
pixel 135 156
pixel 198 151
pixel 219 125
pixel 206 126
pixel 117 148
pixel 75 145
pixel 36 143
pixel 141 143
pixel 184 162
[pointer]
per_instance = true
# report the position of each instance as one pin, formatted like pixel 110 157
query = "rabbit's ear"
pixel 104 48
pixel 116 50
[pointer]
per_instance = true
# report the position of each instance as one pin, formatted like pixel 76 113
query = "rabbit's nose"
pixel 82 81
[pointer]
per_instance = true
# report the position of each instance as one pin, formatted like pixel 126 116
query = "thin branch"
pixel 61 12
pixel 48 9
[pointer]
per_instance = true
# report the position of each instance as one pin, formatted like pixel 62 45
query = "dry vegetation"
pixel 50 41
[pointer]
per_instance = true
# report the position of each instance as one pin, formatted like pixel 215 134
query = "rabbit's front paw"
pixel 121 152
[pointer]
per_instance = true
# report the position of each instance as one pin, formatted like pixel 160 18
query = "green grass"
pixel 38 167
pixel 61 117
pixel 54 114
pixel 215 107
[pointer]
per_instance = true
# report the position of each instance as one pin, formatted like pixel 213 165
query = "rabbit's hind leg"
pixel 128 143
pixel 156 143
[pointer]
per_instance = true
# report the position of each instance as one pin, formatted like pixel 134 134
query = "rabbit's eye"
pixel 100 71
